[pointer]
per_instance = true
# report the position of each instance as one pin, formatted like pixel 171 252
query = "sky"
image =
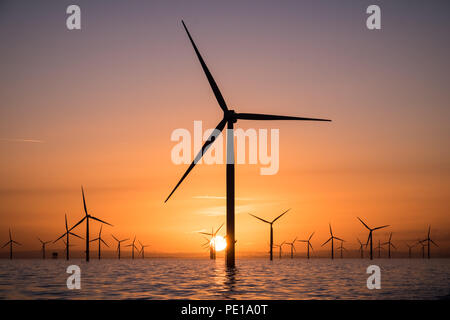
pixel 97 107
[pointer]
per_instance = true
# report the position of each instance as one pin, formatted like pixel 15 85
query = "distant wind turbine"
pixel 292 245
pixel 379 249
pixel 428 241
pixel 422 242
pixel 67 234
pixel 271 229
pixel 87 217
pixel 389 244
pixel 370 238
pixel 43 247
pixel 341 248
pixel 332 237
pixel 133 246
pixel 230 117
pixel 308 244
pixel 11 242
pixel 100 240
pixel 118 244
pixel 143 246
pixel 410 246
pixel 213 234
pixel 361 249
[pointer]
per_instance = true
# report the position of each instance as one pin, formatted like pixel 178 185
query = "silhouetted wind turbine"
pixel 361 250
pixel 67 234
pixel 389 244
pixel 280 248
pixel 292 245
pixel 423 247
pixel 100 240
pixel 379 249
pixel 308 244
pixel 213 235
pixel 143 246
pixel 133 246
pixel 229 118
pixel 370 238
pixel 428 240
pixel 118 244
pixel 87 217
pixel 410 246
pixel 341 248
pixel 43 247
pixel 271 229
pixel 332 237
pixel 11 242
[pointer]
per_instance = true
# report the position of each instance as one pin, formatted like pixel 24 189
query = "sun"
pixel 220 243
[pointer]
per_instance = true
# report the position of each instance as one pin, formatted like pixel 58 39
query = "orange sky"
pixel 103 103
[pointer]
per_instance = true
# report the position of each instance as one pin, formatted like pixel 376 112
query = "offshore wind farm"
pixel 317 152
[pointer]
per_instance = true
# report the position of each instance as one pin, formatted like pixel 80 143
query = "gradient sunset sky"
pixel 97 107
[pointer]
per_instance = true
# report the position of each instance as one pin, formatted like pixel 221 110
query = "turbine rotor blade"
pixel 434 243
pixel 365 225
pixel 260 218
pixel 378 228
pixel 84 200
pixel 94 218
pixel 104 243
pixel 210 78
pixel 326 242
pixel 311 236
pixel 75 235
pixel 200 154
pixel 218 229
pixel 280 215
pixel 78 223
pixel 260 116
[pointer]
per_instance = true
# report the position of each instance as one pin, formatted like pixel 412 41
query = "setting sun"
pixel 219 243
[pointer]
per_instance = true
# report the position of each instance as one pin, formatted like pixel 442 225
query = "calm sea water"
pixel 205 279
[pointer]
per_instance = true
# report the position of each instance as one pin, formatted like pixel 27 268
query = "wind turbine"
pixel 292 244
pixel 143 246
pixel 428 240
pixel 43 247
pixel 341 247
pixel 389 244
pixel 361 250
pixel 11 242
pixel 332 237
pixel 87 217
pixel 133 246
pixel 271 229
pixel 67 234
pixel 67 247
pixel 370 238
pixel 230 117
pixel 379 248
pixel 423 247
pixel 280 248
pixel 118 243
pixel 410 246
pixel 100 240
pixel 308 245
pixel 213 234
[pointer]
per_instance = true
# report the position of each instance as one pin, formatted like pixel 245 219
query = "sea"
pixel 256 278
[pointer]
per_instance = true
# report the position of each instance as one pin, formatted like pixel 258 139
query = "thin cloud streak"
pixel 22 140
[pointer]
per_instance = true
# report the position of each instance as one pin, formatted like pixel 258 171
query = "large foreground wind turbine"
pixel 230 117
pixel 271 229
pixel 87 217
pixel 43 246
pixel 100 240
pixel 67 234
pixel 118 244
pixel 389 244
pixel 11 242
pixel 370 238
pixel 428 241
pixel 308 244
pixel 332 237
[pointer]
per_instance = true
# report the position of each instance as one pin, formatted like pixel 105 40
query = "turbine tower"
pixel 332 237
pixel 100 240
pixel 87 217
pixel 143 246
pixel 43 247
pixel 308 245
pixel 230 117
pixel 67 234
pixel 118 244
pixel 292 245
pixel 361 250
pixel 11 242
pixel 389 244
pixel 341 248
pixel 428 241
pixel 271 229
pixel 280 248
pixel 370 238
